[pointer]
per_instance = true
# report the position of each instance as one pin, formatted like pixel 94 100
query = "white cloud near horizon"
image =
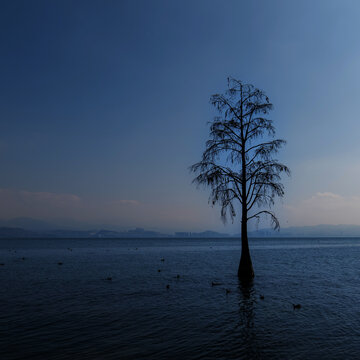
pixel 324 208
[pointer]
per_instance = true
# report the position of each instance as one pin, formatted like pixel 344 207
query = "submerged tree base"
pixel 245 271
pixel 246 274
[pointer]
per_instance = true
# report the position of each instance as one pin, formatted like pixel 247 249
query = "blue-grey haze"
pixel 104 105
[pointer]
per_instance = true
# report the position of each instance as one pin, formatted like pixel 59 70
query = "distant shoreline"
pixel 172 238
pixel 318 231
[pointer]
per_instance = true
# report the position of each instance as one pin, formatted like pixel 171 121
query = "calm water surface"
pixel 70 311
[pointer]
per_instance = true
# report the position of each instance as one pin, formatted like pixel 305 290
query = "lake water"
pixel 71 311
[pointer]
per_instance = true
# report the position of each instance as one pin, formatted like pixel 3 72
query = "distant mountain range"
pixel 33 228
pixel 203 234
pixel 14 232
pixel 23 227
pixel 28 224
pixel 310 231
pixel 59 224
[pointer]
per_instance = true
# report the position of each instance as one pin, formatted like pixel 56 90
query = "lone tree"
pixel 238 162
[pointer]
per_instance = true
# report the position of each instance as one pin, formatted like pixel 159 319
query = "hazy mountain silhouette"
pixel 16 232
pixel 30 228
pixel 310 231
pixel 27 223
pixel 58 223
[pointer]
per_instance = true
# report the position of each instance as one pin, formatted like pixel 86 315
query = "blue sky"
pixel 105 104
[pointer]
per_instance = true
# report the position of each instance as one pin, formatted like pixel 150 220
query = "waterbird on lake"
pixel 228 291
pixel 262 297
pixel 109 278
pixel 168 286
pixel 159 270
pixel 178 276
pixel 60 263
pixel 296 306
pixel 2 264
pixel 162 259
pixel 22 258
pixel 214 283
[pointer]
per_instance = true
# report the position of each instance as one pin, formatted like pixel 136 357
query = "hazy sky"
pixel 105 104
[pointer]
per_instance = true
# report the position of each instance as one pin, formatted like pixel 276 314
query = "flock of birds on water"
pixel 213 283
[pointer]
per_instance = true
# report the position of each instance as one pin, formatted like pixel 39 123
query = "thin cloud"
pixel 65 207
pixel 15 203
pixel 324 208
pixel 125 202
pixel 328 195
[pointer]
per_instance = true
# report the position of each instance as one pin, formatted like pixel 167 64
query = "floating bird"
pixel 109 278
pixel 228 291
pixel 22 258
pixel 162 259
pixel 60 263
pixel 159 270
pixel 168 286
pixel 213 283
pixel 2 264
pixel 178 276
pixel 262 297
pixel 296 306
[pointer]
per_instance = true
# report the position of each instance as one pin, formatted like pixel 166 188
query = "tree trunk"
pixel 246 271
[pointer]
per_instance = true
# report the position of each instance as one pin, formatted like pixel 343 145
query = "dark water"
pixel 70 311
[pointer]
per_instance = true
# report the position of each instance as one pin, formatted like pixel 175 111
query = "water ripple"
pixel 67 312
